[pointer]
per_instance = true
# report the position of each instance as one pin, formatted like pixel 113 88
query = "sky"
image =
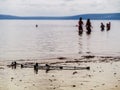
pixel 58 7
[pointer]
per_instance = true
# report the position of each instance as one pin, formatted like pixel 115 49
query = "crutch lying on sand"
pixel 46 67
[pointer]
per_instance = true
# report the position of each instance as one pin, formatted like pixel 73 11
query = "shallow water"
pixel 22 40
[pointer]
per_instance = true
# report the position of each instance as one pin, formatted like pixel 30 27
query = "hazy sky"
pixel 57 7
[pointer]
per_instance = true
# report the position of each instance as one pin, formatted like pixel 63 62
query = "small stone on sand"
pixel 73 85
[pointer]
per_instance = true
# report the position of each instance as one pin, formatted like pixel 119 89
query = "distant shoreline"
pixel 58 19
pixel 109 16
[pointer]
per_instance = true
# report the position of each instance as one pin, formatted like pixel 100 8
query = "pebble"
pixel 73 85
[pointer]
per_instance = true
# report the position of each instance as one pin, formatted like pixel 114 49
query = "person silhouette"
pixel 108 26
pixel 102 27
pixel 88 26
pixel 80 24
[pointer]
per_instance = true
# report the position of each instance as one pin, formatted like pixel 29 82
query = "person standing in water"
pixel 88 26
pixel 108 26
pixel 102 26
pixel 80 24
pixel 80 27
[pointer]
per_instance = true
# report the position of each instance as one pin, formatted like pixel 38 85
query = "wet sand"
pixel 104 74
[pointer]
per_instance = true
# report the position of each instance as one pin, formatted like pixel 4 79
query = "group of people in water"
pixel 89 26
pixel 108 25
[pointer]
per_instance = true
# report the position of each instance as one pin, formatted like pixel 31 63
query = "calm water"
pixel 22 40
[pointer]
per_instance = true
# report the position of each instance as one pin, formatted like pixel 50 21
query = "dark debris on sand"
pixel 61 58
pixel 88 56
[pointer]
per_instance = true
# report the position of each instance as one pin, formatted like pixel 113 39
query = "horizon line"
pixel 57 15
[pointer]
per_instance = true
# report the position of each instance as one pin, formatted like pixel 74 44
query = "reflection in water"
pixel 88 43
pixel 80 44
pixel 80 33
pixel 88 32
pixel 84 43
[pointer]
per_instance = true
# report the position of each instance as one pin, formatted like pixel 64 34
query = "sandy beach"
pixel 104 74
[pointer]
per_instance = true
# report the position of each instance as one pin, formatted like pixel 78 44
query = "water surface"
pixel 20 39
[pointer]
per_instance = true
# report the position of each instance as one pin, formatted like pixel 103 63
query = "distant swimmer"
pixel 36 25
pixel 88 26
pixel 102 27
